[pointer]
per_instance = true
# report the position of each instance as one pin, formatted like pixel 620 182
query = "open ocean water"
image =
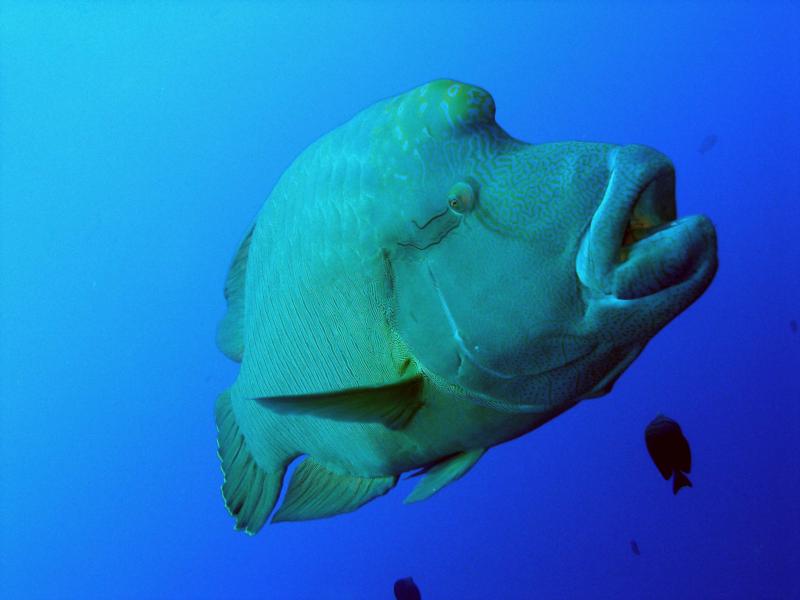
pixel 138 140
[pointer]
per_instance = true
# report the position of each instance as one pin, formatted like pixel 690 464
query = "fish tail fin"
pixel 250 490
pixel 680 481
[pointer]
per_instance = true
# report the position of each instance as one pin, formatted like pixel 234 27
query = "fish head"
pixel 530 276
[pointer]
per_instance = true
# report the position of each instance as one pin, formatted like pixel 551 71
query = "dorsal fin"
pixel 230 334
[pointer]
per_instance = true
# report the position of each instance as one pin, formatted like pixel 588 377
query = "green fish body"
pixel 420 286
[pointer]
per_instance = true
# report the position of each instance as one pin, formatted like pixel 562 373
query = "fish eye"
pixel 461 198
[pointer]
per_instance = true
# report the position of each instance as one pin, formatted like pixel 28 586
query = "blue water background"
pixel 138 141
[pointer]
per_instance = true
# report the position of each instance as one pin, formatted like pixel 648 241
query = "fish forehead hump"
pixel 317 312
pixel 423 140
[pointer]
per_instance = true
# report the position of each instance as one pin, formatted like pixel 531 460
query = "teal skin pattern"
pixel 420 286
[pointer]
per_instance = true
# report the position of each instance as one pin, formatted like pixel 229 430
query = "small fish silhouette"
pixel 708 143
pixel 406 589
pixel 669 450
pixel 635 548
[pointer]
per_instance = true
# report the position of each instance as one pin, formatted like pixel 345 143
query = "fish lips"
pixel 683 251
pixel 634 247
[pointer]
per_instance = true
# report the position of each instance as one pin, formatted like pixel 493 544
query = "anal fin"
pixel 442 473
pixel 316 492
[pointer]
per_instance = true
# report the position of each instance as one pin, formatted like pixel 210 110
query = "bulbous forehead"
pixel 440 109
pixel 420 140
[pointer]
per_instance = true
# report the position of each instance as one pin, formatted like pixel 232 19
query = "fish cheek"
pixel 417 315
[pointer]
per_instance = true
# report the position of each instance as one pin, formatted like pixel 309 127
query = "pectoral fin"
pixel 442 473
pixel 394 405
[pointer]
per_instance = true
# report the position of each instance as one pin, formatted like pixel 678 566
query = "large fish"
pixel 420 286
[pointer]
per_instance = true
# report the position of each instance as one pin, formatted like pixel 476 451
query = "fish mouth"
pixel 635 245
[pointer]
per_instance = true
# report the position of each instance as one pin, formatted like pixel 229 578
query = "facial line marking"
pixel 444 234
pixel 431 220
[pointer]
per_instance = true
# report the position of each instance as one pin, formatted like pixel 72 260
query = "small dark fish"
pixel 635 548
pixel 793 325
pixel 406 589
pixel 669 450
pixel 708 143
